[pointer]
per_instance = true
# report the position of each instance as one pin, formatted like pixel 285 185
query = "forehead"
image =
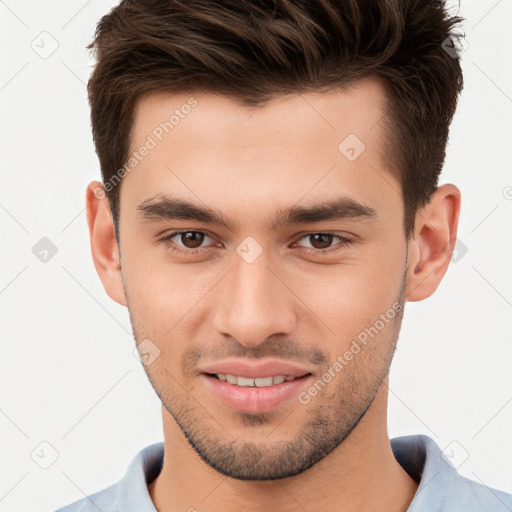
pixel 218 120
pixel 209 147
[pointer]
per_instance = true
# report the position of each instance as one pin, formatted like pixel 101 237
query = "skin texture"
pixel 287 305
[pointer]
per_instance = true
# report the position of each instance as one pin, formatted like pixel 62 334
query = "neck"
pixel 360 474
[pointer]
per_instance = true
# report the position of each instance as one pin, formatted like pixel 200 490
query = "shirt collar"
pixel 132 490
pixel 441 487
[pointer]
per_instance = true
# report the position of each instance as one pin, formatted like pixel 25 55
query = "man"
pixel 269 203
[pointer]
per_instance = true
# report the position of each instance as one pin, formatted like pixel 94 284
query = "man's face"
pixel 234 298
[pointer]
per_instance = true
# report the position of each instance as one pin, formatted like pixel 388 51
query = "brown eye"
pixel 191 239
pixel 321 240
pixel 186 242
pixel 322 243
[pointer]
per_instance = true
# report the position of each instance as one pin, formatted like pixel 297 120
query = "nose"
pixel 254 303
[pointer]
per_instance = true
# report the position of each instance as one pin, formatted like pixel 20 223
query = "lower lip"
pixel 253 399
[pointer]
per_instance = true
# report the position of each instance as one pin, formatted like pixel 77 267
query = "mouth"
pixel 254 394
pixel 260 382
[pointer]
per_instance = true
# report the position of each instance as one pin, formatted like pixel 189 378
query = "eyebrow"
pixel 164 207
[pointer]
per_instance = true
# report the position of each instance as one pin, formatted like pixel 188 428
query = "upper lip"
pixel 268 368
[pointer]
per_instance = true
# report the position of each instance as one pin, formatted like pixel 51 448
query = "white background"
pixel 69 376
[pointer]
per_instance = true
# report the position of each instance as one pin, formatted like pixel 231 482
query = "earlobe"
pixel 431 248
pixel 104 248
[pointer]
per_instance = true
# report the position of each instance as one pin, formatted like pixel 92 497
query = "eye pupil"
pixel 323 244
pixel 192 239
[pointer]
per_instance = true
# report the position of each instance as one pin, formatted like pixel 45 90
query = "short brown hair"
pixel 256 50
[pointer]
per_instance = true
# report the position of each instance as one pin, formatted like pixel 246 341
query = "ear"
pixel 105 251
pixel 431 248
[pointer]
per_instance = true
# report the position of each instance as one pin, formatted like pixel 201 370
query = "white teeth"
pixel 263 381
pixel 232 379
pixel 244 381
pixel 259 382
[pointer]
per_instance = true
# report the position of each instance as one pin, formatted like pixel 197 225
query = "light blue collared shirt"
pixel 441 489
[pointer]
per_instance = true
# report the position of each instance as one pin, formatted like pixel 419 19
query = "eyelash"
pixel 175 248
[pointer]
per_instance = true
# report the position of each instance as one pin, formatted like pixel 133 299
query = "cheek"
pixel 162 294
pixel 346 299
